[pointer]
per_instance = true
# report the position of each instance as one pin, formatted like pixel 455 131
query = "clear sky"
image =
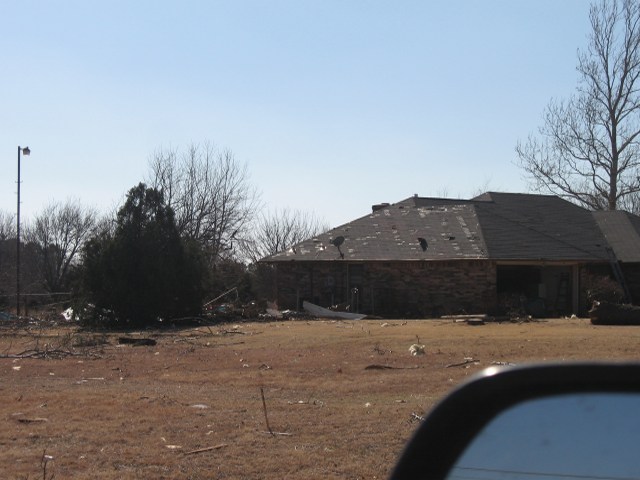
pixel 333 105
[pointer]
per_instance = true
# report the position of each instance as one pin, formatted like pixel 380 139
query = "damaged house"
pixel 496 253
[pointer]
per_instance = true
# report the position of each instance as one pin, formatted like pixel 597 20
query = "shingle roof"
pixel 538 227
pixel 622 231
pixel 499 226
pixel 393 233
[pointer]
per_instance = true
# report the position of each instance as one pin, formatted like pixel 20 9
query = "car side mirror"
pixel 560 421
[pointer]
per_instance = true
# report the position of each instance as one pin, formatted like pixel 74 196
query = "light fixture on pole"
pixel 24 151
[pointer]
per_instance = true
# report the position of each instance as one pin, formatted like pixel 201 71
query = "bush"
pixel 602 288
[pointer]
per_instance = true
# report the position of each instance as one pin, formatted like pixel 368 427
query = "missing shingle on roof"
pixel 423 244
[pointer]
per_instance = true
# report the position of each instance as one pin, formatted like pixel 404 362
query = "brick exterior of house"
pixel 391 289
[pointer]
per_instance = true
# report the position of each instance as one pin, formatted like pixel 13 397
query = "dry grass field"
pixel 81 405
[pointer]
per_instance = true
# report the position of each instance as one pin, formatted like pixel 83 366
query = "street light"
pixel 24 151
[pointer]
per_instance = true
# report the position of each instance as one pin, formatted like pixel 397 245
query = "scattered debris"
pixel 606 313
pixel 388 367
pixel 379 350
pixel 307 402
pixel 232 331
pixel 206 449
pixel 49 353
pixel 224 294
pixel 503 364
pixel 416 349
pixel 482 316
pixel 322 312
pixel 137 342
pixel 86 380
pixel 200 406
pixel 271 313
pixel 415 416
pixel 475 321
pixel 33 420
pixel 467 361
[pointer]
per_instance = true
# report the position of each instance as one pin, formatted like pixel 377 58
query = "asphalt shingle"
pixel 498 226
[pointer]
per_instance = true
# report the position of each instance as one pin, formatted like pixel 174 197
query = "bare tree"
pixel 279 230
pixel 59 232
pixel 7 225
pixel 587 149
pixel 7 255
pixel 210 194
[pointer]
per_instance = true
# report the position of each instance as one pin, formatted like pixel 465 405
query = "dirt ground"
pixel 81 405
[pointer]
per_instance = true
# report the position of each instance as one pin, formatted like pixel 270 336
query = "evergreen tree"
pixel 143 271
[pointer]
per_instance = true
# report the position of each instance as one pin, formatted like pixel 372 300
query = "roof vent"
pixel 379 206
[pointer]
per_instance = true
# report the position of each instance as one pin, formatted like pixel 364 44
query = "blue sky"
pixel 333 105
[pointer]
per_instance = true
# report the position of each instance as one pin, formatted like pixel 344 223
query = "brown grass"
pixel 114 411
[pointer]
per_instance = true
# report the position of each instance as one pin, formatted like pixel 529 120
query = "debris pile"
pixel 606 313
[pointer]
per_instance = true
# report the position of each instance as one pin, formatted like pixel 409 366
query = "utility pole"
pixel 24 151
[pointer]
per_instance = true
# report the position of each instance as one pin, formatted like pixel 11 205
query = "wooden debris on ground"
pixel 137 342
pixel 33 420
pixel 376 366
pixel 206 449
pixel 606 313
pixel 415 416
pixel 54 353
pixel 466 361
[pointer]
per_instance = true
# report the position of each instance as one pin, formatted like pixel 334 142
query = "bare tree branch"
pixel 279 230
pixel 59 233
pixel 587 149
pixel 210 193
pixel 7 225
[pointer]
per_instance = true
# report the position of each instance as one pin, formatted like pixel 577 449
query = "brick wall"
pixel 391 289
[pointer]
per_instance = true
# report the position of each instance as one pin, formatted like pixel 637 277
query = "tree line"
pixel 192 229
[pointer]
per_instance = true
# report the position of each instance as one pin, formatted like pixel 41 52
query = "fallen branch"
pixel 136 342
pixel 33 420
pixel 466 361
pixel 206 449
pixel 388 367
pixel 284 434
pixel 55 353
